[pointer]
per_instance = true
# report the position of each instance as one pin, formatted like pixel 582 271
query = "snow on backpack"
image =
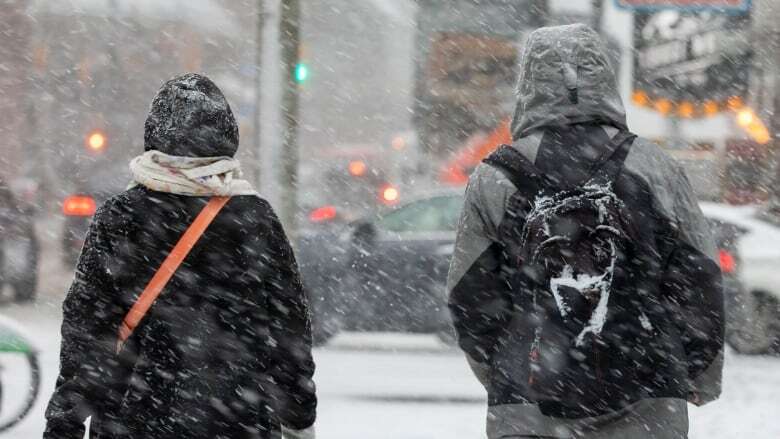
pixel 571 258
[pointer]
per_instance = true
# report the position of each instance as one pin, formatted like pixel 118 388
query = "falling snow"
pixel 351 137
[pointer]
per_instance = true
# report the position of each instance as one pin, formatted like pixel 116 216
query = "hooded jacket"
pixel 568 109
pixel 190 117
pixel 225 350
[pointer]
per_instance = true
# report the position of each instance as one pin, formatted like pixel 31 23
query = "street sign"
pixel 687 5
pixel 691 63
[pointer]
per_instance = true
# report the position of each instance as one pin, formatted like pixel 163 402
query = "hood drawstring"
pixel 570 78
pixel 570 71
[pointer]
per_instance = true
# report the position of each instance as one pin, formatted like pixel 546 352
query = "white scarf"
pixel 193 176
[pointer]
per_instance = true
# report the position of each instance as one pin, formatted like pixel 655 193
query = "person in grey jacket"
pixel 568 110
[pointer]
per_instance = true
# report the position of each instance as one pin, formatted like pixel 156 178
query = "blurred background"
pixel 360 121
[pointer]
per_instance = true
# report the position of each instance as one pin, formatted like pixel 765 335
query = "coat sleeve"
pixel 478 298
pixel 290 386
pixel 693 282
pixel 86 360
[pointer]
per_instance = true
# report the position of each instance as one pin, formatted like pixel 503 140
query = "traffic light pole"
pixel 289 36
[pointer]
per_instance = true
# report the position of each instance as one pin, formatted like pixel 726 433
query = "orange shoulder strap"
pixel 168 268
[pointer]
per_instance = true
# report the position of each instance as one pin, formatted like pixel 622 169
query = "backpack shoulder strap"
pixel 517 168
pixel 612 163
pixel 168 268
pixel 528 180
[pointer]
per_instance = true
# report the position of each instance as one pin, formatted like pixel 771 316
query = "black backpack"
pixel 574 261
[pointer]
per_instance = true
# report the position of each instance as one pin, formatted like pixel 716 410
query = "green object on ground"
pixel 12 340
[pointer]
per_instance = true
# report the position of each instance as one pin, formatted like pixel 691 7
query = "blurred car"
pixel 753 287
pixel 354 178
pixel 383 272
pixel 387 271
pixel 92 185
pixel 78 210
pixel 19 247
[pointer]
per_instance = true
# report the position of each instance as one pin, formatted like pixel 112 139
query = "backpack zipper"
pixel 599 369
pixel 534 354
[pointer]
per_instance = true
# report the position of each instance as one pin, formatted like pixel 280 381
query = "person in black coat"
pixel 225 350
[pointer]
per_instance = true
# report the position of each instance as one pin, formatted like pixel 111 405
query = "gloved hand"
pixel 694 398
pixel 307 433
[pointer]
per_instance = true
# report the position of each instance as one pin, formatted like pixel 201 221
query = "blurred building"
pixel 356 98
pixel 766 32
pixel 15 31
pixel 359 59
pixel 465 56
pixel 97 65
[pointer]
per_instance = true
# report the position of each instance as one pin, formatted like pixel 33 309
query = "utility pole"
pixel 598 11
pixel 289 36
pixel 539 13
pixel 258 152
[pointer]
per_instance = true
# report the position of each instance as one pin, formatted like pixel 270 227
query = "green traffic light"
pixel 301 73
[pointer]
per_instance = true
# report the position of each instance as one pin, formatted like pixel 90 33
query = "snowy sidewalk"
pixel 397 386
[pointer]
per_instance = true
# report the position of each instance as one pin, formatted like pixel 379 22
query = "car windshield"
pixel 438 214
pixel 768 216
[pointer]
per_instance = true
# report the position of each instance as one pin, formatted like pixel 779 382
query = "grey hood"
pixel 566 78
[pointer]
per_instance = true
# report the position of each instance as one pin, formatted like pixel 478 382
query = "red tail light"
pixel 728 264
pixel 79 205
pixel 357 168
pixel 389 194
pixel 325 213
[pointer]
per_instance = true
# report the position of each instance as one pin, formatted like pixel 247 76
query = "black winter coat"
pixel 225 351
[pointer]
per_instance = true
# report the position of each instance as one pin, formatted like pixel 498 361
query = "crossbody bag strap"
pixel 168 269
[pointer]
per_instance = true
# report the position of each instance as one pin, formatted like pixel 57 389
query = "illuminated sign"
pixel 695 5
pixel 691 64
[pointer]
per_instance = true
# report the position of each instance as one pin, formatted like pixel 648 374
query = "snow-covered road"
pixel 393 386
